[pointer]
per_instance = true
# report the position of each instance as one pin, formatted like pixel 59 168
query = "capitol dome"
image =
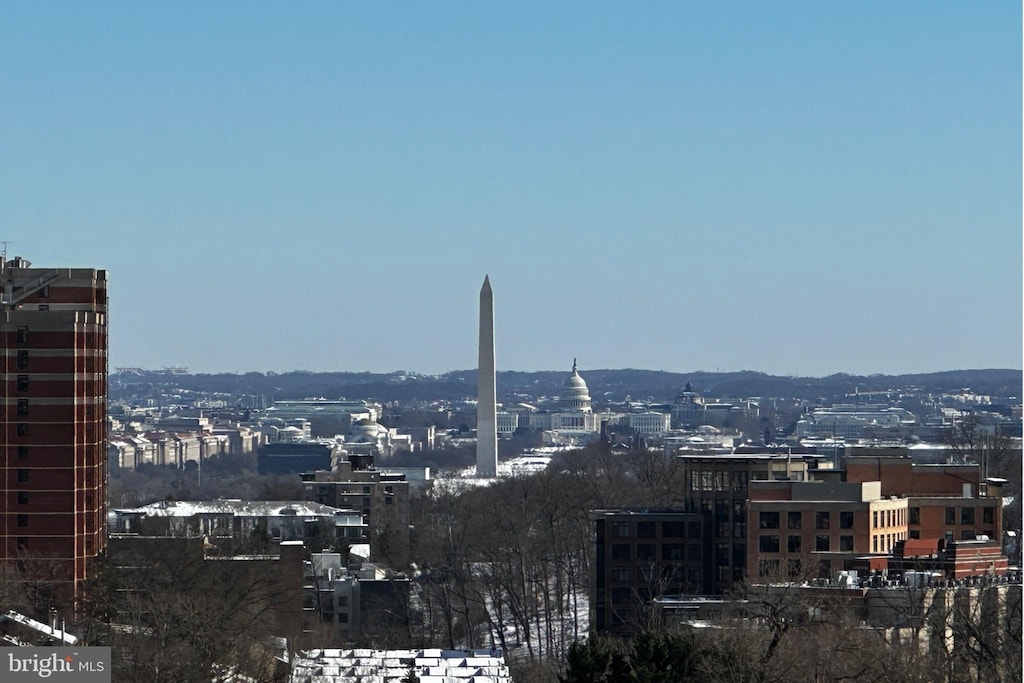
pixel 575 394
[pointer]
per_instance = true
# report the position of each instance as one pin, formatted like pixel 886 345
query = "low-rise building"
pixel 238 523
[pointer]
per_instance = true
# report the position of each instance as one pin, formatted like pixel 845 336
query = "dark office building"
pixel 641 555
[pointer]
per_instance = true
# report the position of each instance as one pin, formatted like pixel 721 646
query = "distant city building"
pixel 649 423
pixel 296 457
pixel 574 420
pixel 326 417
pixel 852 421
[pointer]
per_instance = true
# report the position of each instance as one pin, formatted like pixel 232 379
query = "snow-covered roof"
pixel 39 627
pixel 243 508
pixel 387 666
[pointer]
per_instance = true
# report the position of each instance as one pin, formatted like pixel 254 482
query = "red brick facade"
pixel 53 332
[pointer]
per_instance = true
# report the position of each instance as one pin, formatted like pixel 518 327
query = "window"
pixel 950 515
pixel 22 334
pixel 22 429
pixel 693 574
pixel 672 551
pixel 793 568
pixel 342 617
pixel 739 481
pixel 768 544
pixel 620 574
pixel 767 567
pixel 915 515
pixel 967 515
pixel 986 515
pixel 824 569
pixel 22 452
pixel 846 520
pixel 22 406
pixel 793 544
pixel 967 535
pixel 23 358
pixel 874 519
pixel 22 475
pixel 693 552
pixel 620 551
pixel 915 533
pixel 22 382
pixel 645 551
pixel 874 544
pixel 22 544
pixel 672 530
pixel 693 528
pixel 822 520
pixel 846 544
pixel 769 520
pixel 620 529
pixel 620 595
pixel 22 498
pixel 821 543
pixel 645 530
pixel 22 520
pixel 722 553
pixel 794 519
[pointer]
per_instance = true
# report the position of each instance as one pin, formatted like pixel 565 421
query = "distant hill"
pixel 605 385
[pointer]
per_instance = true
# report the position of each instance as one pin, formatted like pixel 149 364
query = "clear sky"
pixel 792 187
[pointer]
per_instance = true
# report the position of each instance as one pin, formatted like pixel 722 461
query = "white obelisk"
pixel 486 397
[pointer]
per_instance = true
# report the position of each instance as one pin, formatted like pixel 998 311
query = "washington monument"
pixel 486 397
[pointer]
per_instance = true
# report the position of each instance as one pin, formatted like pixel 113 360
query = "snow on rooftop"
pixel 391 666
pixel 242 508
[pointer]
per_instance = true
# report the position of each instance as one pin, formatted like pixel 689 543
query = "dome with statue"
pixel 575 394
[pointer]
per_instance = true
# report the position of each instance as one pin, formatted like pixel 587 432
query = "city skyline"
pixel 798 190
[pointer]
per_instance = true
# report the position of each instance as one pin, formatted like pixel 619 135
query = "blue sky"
pixel 797 187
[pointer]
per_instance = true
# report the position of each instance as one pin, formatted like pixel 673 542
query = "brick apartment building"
pixel 747 516
pixel 52 440
pixel 814 528
pixel 944 501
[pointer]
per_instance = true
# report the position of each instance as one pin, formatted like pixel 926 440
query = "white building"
pixel 574 421
pixel 849 420
pixel 649 422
